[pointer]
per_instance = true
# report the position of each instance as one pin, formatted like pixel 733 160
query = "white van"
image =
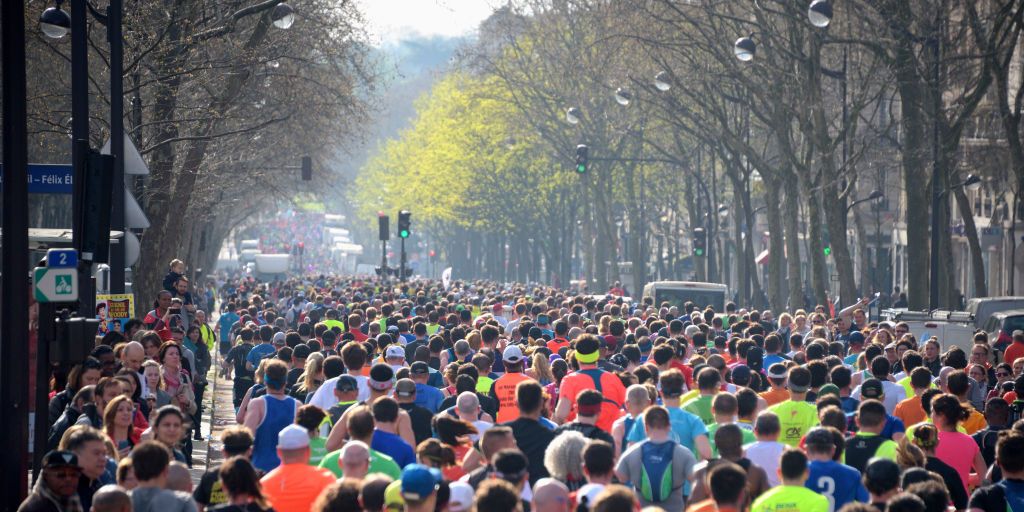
pixel 678 293
pixel 956 328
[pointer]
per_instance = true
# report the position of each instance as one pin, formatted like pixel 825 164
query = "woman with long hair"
pixel 177 383
pixel 454 433
pixel 559 369
pixel 155 385
pixel 86 374
pixel 242 485
pixel 169 428
pixel 117 423
pixel 312 377
pixel 257 389
pixel 926 437
pixel 435 454
pixel 956 448
pixel 540 370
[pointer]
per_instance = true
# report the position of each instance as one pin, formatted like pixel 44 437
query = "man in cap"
pixel 294 485
pixel 460 498
pixel 839 482
pixel 380 382
pixel 504 388
pixel 394 356
pixel 588 407
pixel 419 486
pixel 346 392
pixel 299 355
pixel 856 344
pixel 589 376
pixel 407 396
pixel 57 486
pixel 427 396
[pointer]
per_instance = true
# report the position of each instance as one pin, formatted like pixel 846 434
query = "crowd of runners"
pixel 352 394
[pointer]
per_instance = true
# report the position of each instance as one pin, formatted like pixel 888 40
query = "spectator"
pixel 56 488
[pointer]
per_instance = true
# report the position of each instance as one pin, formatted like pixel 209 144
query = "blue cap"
pixel 419 481
pixel 856 337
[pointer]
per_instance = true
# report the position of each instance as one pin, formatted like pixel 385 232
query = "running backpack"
pixel 656 483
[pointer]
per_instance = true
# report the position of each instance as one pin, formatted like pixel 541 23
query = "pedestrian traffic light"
pixel 582 158
pixel 826 243
pixel 700 242
pixel 383 227
pixel 307 168
pixel 404 220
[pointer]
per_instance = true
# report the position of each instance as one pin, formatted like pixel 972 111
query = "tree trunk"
pixel 819 271
pixel 791 221
pixel 776 245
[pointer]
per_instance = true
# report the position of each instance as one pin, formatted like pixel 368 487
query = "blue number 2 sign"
pixel 62 258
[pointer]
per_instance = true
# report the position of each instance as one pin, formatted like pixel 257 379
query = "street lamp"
pixel 745 48
pixel 623 96
pixel 820 13
pixel 723 211
pixel 875 194
pixel 662 81
pixel 283 16
pixel 55 22
pixel 573 115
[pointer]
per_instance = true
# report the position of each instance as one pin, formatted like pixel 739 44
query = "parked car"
pixel 983 307
pixel 1000 326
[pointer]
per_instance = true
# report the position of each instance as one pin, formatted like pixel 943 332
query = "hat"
pixel 60 458
pixel 609 341
pixel 392 329
pixel 405 388
pixel 394 351
pixel 777 371
pixel 293 437
pixel 381 376
pixel 818 436
pixel 346 383
pixel 461 497
pixel 278 338
pixel 741 374
pixel 512 354
pixel 856 338
pixel 587 495
pixel 301 351
pixel 393 495
pixel 691 330
pixel 872 388
pixel 419 368
pixel 828 389
pixel 419 482
pixel 497 308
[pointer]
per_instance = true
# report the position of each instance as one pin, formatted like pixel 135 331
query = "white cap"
pixel 513 354
pixel 279 338
pixel 394 351
pixel 292 437
pixel 590 492
pixel 461 498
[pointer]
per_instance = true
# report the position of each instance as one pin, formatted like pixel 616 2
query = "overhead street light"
pixel 283 16
pixel 55 22
pixel 874 195
pixel 662 81
pixel 573 115
pixel 820 13
pixel 745 48
pixel 623 96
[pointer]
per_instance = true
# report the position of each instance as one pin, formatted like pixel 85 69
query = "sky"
pixel 394 20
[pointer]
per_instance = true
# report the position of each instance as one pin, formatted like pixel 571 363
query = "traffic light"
pixel 383 227
pixel 582 158
pixel 700 242
pixel 404 220
pixel 307 168
pixel 826 243
pixel 301 248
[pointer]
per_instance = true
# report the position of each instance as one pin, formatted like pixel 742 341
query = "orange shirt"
pixel 1014 351
pixel 974 422
pixel 611 388
pixel 910 411
pixel 505 392
pixel 775 396
pixel 556 344
pixel 294 487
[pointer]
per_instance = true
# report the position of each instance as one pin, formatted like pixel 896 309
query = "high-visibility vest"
pixel 505 391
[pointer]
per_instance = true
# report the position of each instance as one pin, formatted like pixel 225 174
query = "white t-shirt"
pixel 766 454
pixel 324 395
pixel 893 394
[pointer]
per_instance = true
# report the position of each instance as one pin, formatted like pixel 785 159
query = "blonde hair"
pixel 175 262
pixel 261 370
pixel 542 368
pixel 160 375
pixel 314 366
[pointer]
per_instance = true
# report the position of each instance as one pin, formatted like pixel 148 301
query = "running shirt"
pixel 701 406
pixel 839 483
pixel 379 463
pixel 686 428
pixel 278 414
pixel 795 419
pixel 790 498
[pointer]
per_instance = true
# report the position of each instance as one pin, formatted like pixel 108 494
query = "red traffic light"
pixel 302 245
pixel 433 253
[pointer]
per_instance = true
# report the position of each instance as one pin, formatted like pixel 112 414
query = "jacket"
pixel 63 423
pixel 59 402
pixel 90 416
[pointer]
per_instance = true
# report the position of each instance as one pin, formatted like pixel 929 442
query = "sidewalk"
pixel 218 411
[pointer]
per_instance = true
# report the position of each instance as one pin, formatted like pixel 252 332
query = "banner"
pixel 113 311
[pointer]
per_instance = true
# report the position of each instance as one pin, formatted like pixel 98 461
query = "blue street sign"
pixel 62 258
pixel 48 178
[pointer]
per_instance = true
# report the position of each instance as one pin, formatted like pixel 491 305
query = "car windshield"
pixel 1013 323
pixel 701 298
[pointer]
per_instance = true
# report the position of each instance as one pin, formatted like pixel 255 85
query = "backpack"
pixel 656 461
pixel 595 375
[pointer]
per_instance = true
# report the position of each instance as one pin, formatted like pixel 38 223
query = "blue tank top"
pixel 280 412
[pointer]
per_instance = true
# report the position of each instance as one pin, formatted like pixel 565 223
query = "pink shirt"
pixel 958 450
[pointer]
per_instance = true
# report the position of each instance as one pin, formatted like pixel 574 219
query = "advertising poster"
pixel 113 311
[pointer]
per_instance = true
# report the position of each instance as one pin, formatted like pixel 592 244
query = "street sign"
pixel 134 165
pixel 62 258
pixel 55 284
pixel 48 178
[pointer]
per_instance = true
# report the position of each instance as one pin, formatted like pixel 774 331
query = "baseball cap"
pixel 60 458
pixel 419 368
pixel 419 482
pixel 381 376
pixel 394 351
pixel 461 497
pixel 278 338
pixel 292 437
pixel 818 436
pixel 513 354
pixel 392 329
pixel 828 389
pixel 856 338
pixel 405 388
pixel 609 342
pixel 871 388
pixel 346 383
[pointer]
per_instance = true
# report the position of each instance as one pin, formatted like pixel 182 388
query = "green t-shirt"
pixel 748 437
pixel 795 419
pixel 317 450
pixel 379 463
pixel 790 498
pixel 701 406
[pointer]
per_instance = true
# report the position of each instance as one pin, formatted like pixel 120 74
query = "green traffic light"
pixel 581 168
pixel 827 250
pixel 698 252
pixel 403 233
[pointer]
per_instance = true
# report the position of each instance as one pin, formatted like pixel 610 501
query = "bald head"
pixel 133 355
pixel 178 477
pixel 111 498
pixel 467 404
pixel 550 495
pixel 355 459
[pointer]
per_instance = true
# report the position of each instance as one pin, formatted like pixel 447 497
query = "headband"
pixel 588 358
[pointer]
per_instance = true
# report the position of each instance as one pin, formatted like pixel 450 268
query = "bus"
pixel 677 293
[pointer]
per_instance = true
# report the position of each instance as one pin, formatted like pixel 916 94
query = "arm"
pixel 617 431
pixel 472 460
pixel 240 416
pixel 254 415
pixel 338 433
pixel 562 411
pixel 405 428
pixel 980 468
pixel 703 446
pixel 848 311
